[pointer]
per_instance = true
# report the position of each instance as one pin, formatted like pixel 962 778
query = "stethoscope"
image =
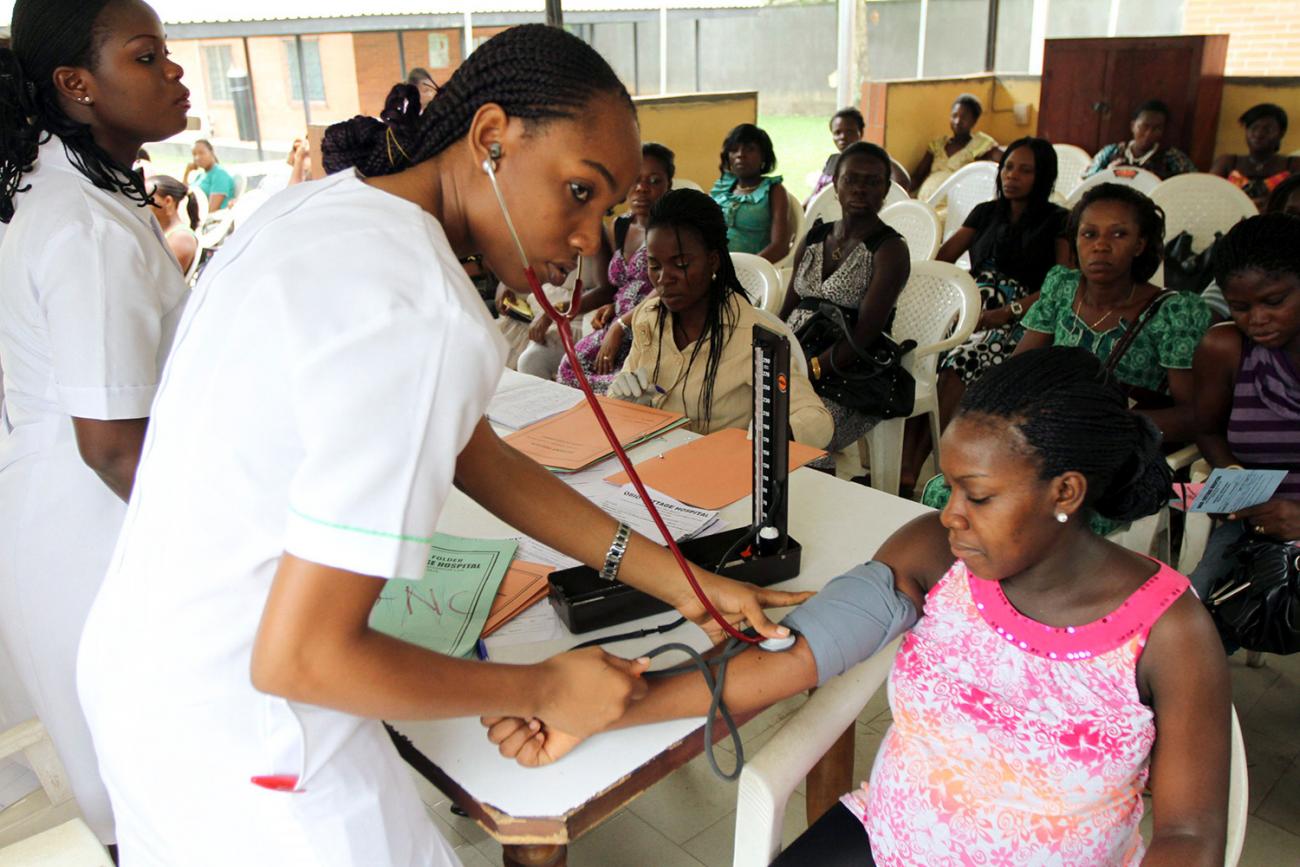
pixel 566 338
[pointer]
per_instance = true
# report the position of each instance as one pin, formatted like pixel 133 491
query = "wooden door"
pixel 1072 95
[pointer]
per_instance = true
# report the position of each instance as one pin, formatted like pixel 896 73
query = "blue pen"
pixel 480 650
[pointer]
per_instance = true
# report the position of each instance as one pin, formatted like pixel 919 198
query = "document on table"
pixel 522 400
pixel 524 585
pixel 683 521
pixel 445 610
pixel 1231 490
pixel 574 440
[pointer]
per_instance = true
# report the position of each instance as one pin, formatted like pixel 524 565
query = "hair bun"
pixel 352 143
pixel 1143 483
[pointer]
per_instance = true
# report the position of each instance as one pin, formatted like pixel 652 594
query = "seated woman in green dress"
pixel 1118 235
pixel 752 199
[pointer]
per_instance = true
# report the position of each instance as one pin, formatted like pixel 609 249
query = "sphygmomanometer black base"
pixel 585 601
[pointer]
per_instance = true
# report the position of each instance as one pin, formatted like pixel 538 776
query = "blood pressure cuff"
pixel 852 618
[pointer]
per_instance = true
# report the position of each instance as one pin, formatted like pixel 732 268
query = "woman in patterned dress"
pixel 1145 150
pixel 858 263
pixel 1260 171
pixel 1051 676
pixel 947 153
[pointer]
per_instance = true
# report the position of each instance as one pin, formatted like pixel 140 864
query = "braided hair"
pixel 1074 420
pixel 1269 243
pixel 1149 217
pixel 534 72
pixel 697 212
pixel 47 34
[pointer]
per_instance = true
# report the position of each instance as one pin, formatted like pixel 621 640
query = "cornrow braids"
pixel 1072 419
pixel 696 212
pixel 47 34
pixel 534 72
pixel 1269 243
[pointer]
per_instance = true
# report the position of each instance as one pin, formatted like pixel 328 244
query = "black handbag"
pixel 1257 605
pixel 877 384
pixel 1185 269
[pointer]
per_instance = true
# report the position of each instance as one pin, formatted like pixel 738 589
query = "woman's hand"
pixel 586 691
pixel 741 604
pixel 1278 518
pixel 610 345
pixel 537 331
pixel 531 743
pixel 601 317
pixel 995 318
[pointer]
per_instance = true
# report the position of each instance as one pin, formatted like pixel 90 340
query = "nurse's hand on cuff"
pixel 585 691
pixel 634 386
pixel 738 602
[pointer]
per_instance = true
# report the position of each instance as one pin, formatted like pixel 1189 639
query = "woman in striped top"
pixel 1247 376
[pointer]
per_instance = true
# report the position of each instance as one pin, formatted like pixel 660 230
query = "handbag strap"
pixel 1126 340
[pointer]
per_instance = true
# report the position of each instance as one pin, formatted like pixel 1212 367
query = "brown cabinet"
pixel 1092 86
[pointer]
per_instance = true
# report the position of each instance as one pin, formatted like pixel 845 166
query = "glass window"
pixel 310 67
pixel 216 66
pixel 439 50
pixel 893 28
pixel 956 36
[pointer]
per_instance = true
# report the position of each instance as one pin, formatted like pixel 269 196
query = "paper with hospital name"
pixel 1227 491
pixel 445 610
pixel 683 521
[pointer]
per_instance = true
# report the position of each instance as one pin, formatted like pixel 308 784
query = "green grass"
pixel 802 145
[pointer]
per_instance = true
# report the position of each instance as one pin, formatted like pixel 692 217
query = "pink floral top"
pixel 1014 742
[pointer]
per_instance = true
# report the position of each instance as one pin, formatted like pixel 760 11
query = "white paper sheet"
pixel 683 521
pixel 522 400
pixel 1229 490
pixel 537 622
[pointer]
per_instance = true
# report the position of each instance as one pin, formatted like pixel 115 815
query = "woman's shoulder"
pixel 1183 309
pixel 1060 284
pixel 982 142
pixel 1223 344
pixel 722 187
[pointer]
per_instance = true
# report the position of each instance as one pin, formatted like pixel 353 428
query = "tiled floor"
pixel 687 820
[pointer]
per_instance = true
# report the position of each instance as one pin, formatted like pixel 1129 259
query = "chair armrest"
pixel 1184 457
pixel 771 775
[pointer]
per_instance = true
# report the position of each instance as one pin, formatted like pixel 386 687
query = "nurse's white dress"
pixel 331 365
pixel 89 300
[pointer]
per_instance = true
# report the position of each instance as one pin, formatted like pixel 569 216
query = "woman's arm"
pixel 1223 165
pixel 597 290
pixel 1178 422
pixel 954 247
pixel 1185 675
pixel 1033 340
pixel 183 245
pixel 1214 376
pixel 112 450
pixel 529 498
pixel 779 239
pixel 892 267
pixel 921 172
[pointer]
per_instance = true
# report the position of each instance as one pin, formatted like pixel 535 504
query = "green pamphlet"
pixel 445 610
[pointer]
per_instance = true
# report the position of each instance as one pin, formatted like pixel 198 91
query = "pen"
pixel 480 650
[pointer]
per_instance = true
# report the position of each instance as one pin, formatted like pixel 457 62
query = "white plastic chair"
pixel 938 308
pixel 1129 176
pixel 785 267
pixel 918 224
pixel 51 806
pixel 902 171
pixel 969 186
pixel 686 184
pixel 1201 204
pixel 1196 527
pixel 1071 162
pixel 772 774
pixel 824 206
pixel 1149 536
pixel 761 280
pixel 896 194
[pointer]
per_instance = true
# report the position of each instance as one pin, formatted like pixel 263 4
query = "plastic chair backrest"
pixel 202 199
pixel 1130 176
pixel 918 224
pixel 938 309
pixel 896 194
pixel 1238 796
pixel 760 278
pixel 898 167
pixel 969 186
pixel 797 230
pixel 1071 162
pixel 686 184
pixel 241 184
pixel 1201 204
pixel 824 206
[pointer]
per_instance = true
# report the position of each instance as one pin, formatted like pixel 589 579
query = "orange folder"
pixel 710 472
pixel 523 585
pixel 572 440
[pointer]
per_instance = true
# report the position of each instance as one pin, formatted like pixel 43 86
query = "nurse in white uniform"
pixel 326 389
pixel 89 299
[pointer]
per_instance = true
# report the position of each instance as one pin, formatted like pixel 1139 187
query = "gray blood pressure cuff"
pixel 852 617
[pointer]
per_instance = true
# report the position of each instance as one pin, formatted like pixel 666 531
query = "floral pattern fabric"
pixel 1014 742
pixel 1167 342
pixel 632 279
pixel 748 214
pixel 1164 163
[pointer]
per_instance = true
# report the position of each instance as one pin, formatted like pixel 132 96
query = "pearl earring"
pixel 1061 517
pixel 85 100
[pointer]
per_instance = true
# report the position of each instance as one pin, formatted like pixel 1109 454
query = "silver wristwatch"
pixel 614 557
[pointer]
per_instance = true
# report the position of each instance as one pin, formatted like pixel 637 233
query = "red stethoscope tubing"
pixel 566 338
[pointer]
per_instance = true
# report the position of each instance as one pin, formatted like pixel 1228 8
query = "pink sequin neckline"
pixel 1133 618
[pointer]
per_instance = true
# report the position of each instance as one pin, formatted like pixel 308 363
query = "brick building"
pixel 1265 33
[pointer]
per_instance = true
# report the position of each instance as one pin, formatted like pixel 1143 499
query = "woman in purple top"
pixel 1247 376
pixel 601 352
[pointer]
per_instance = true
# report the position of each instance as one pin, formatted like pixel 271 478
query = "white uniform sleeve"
pixel 104 317
pixel 383 412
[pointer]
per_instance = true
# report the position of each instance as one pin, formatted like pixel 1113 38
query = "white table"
pixel 535 813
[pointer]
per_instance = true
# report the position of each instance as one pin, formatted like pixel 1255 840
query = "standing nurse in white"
pixel 89 298
pixel 326 390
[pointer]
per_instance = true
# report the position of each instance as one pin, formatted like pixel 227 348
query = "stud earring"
pixel 1061 517
pixel 494 151
pixel 85 100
